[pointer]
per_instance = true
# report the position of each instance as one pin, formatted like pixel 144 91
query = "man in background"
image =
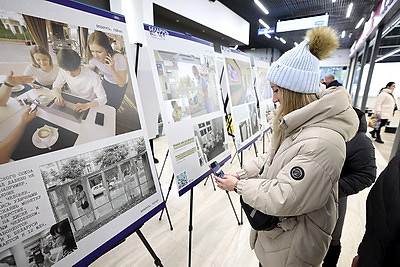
pixel 330 81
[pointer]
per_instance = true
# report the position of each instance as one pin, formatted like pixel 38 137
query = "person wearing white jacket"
pixel 385 106
pixel 298 179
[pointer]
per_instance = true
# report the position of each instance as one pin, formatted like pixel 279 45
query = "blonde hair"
pixel 290 101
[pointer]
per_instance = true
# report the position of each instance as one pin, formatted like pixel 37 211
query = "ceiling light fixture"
pixel 276 37
pixel 333 1
pixel 258 3
pixel 282 40
pixel 343 34
pixel 349 9
pixel 263 23
pixel 296 43
pixel 267 35
pixel 359 23
pixel 388 55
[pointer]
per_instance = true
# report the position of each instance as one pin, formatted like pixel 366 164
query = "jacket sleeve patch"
pixel 297 173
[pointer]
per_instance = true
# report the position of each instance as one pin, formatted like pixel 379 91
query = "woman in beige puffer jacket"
pixel 298 179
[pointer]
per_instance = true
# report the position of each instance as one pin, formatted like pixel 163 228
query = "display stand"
pixel 211 181
pixel 190 227
pixel 157 261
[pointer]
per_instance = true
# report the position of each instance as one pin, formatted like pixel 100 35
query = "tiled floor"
pixel 218 240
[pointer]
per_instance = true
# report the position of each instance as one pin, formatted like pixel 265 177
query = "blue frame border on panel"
pixel 248 144
pixel 97 253
pixel 201 178
pixel 90 9
pixel 189 37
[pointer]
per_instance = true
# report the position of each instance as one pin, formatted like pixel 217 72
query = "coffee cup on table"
pixel 44 134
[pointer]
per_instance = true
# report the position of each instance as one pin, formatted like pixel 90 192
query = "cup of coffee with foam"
pixel 44 134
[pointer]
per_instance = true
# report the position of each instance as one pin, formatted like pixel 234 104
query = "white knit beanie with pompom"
pixel 298 69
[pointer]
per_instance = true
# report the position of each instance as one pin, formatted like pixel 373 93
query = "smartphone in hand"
pixel 216 169
pixel 33 106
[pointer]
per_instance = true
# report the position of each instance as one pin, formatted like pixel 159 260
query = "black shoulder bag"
pixel 259 221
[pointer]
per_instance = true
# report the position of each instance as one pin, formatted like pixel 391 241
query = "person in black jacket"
pixel 358 172
pixel 380 245
pixel 330 81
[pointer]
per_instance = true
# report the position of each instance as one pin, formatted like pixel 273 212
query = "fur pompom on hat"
pixel 298 69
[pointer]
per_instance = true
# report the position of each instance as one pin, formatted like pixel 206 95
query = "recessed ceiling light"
pixel 177 20
pixel 296 43
pixel 359 23
pixel 276 37
pixel 282 40
pixel 267 35
pixel 349 9
pixel 261 6
pixel 343 34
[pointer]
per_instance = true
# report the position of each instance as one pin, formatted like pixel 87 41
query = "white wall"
pixel 213 15
pixel 383 73
pixel 339 58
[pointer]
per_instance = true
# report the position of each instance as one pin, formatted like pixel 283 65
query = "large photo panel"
pixel 264 94
pixel 76 174
pixel 238 76
pixel 184 69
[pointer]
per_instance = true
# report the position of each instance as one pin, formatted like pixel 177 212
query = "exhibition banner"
pixel 76 175
pixel 242 97
pixel 264 93
pixel 190 101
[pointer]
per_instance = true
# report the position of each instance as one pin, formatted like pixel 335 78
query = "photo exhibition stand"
pixel 229 126
pixel 138 46
pixel 157 261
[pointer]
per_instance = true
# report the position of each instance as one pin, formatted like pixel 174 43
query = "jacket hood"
pixel 362 128
pixel 332 111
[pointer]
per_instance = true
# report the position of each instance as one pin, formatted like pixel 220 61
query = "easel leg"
pixel 255 148
pixel 212 180
pixel 190 227
pixel 166 210
pixel 263 142
pixel 157 261
pixel 234 211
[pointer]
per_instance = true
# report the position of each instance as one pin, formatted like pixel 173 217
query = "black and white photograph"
pixel 50 246
pixel 254 126
pixel 211 138
pixel 95 187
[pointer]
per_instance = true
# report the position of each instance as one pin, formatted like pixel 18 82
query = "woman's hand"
pixel 17 80
pixel 227 182
pixel 109 62
pixel 27 117
pixel 60 101
pixel 81 107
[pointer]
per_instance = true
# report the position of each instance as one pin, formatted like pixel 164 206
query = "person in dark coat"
pixel 358 172
pixel 330 81
pixel 380 245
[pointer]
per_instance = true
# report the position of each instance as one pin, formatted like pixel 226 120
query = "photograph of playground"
pixel 31 46
pixel 240 81
pixel 93 188
pixel 188 85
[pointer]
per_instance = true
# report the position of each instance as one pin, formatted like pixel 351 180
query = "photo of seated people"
pixel 59 83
